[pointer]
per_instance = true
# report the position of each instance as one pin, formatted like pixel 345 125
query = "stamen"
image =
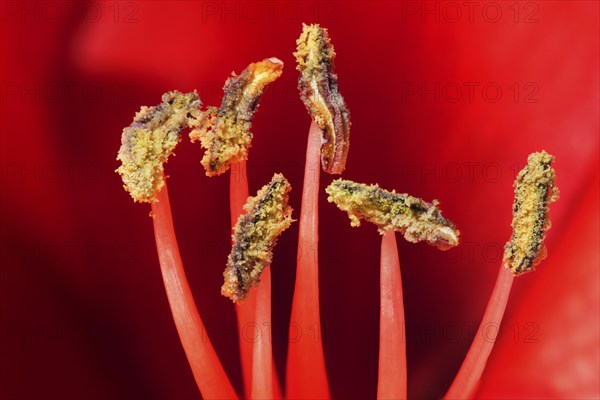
pixel 318 87
pixel 225 132
pixel 146 145
pixel 255 235
pixel 534 190
pixel 306 375
pixel 417 220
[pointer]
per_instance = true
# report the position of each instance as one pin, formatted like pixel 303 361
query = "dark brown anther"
pixel 265 217
pixel 225 131
pixel 318 86
pixel 149 141
pixel 534 191
pixel 416 219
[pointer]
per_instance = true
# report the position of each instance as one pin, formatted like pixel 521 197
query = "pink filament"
pixel 306 374
pixel 392 346
pixel 206 367
pixel 470 372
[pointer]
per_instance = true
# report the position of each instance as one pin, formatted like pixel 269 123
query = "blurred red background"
pixel 447 101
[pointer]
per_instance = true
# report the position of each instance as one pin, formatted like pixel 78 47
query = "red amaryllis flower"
pixel 447 100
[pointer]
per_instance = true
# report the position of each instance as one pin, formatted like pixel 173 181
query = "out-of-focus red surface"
pixel 83 310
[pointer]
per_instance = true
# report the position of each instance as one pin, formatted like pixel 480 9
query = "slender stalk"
pixel 238 190
pixel 468 376
pixel 306 373
pixel 262 366
pixel 206 367
pixel 238 195
pixel 392 347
